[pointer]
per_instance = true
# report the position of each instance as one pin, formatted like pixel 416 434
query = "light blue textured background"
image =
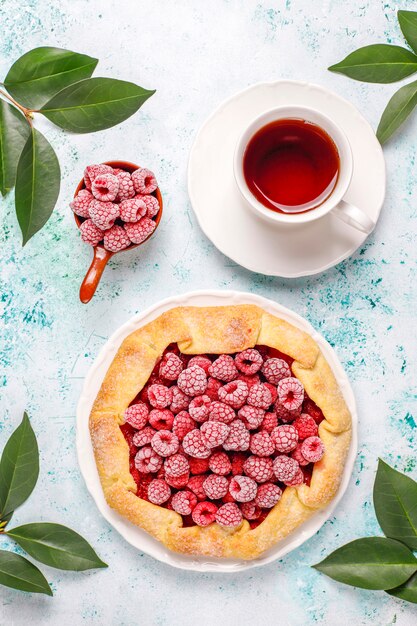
pixel 196 54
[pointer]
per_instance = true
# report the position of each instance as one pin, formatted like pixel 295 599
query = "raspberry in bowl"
pixel 117 206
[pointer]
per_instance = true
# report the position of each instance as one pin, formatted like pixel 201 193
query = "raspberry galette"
pixel 219 430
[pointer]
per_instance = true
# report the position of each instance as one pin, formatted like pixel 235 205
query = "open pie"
pixel 219 430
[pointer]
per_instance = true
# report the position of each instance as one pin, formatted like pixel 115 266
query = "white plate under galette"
pixel 136 535
pixel 274 249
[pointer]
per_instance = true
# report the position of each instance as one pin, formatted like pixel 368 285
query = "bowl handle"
pixel 92 278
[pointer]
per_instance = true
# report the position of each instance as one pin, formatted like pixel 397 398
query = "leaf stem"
pixel 26 112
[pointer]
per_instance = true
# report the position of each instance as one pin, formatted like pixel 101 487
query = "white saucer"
pixel 268 248
pixel 139 538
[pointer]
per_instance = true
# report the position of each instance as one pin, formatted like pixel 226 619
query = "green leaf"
pixel 14 131
pixel 37 184
pixel 19 573
pixel 19 468
pixel 56 545
pixel 395 502
pixel 41 73
pixel 370 563
pixel 95 104
pixel 397 110
pixel 407 591
pixel 408 25
pixel 378 63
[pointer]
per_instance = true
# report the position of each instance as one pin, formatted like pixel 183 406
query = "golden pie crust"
pixel 217 330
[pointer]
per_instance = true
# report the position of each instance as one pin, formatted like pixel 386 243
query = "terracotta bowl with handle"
pixel 101 255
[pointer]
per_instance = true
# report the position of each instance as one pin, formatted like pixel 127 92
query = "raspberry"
pixel 261 444
pixel 147 460
pixel 298 456
pixel 290 393
pixel 139 231
pixel 285 438
pixel 81 203
pixel 234 394
pixel 115 239
pixel 144 181
pixel 90 233
pixel 249 361
pixel 259 396
pixel 306 426
pixel 243 488
pixel 285 468
pixel 105 187
pixel 204 513
pixel 220 412
pixel 229 515
pixel 219 463
pixel 176 465
pixel 137 415
pixel 268 495
pixel 273 390
pixel 193 381
pixel 202 361
pixel 159 396
pixel 250 510
pixel 269 422
pixel 238 438
pixel 132 210
pixel 215 487
pixel 297 480
pixel 165 443
pixel 259 468
pixel 178 482
pixel 180 400
pixel 312 449
pixel 126 188
pixel 144 436
pixel 214 433
pixel 199 408
pixel 161 419
pixel 213 387
pixel 223 368
pixel 198 466
pixel 103 214
pixel 183 502
pixel 196 485
pixel 275 370
pixel 182 425
pixel 194 445
pixel 249 380
pixel 251 416
pixel 158 491
pixel 284 414
pixel 237 460
pixel 92 171
pixel 152 205
pixel 171 366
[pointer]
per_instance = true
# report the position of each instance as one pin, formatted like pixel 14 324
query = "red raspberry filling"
pixel 218 438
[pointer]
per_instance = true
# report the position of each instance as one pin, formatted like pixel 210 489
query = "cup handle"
pixel 350 214
pixel 92 278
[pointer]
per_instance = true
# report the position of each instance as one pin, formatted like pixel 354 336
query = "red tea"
pixel 291 165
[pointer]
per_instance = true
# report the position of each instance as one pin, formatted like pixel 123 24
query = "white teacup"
pixel 349 213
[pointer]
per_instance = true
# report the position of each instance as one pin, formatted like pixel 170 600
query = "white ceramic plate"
pixel 274 249
pixel 139 538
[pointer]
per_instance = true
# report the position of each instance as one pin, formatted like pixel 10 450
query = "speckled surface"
pixel 196 54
